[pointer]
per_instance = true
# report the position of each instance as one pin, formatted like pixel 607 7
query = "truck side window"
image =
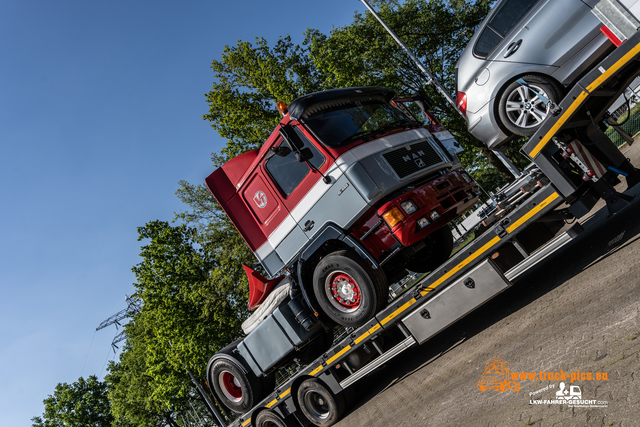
pixel 509 13
pixel 287 172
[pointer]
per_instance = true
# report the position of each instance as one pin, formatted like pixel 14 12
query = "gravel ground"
pixel 576 311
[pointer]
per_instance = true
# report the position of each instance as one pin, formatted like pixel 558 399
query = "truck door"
pixel 293 182
pixel 269 213
pixel 312 201
pixel 318 202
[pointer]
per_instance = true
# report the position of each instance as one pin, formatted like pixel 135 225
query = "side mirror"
pixel 304 155
pixel 291 137
pixel 281 151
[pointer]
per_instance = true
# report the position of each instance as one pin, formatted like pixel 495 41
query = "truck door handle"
pixel 308 226
pixel 513 47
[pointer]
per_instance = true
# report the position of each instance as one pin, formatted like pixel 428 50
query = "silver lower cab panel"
pixel 469 292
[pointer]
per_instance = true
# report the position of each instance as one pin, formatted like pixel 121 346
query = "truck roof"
pixel 317 101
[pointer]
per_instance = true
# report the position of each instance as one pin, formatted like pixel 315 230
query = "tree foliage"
pixel 191 308
pixel 131 388
pixel 81 404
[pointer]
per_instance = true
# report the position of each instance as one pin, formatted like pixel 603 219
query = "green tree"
pixel 131 388
pixel 248 81
pixel 193 302
pixel 81 404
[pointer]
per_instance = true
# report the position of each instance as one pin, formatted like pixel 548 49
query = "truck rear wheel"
pixel 268 418
pixel 319 404
pixel 348 290
pixel 438 247
pixel 235 389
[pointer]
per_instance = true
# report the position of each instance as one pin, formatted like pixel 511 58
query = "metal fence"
pixel 628 120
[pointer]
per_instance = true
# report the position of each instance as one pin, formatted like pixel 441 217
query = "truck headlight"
pixel 434 215
pixel 423 222
pixel 409 207
pixel 393 216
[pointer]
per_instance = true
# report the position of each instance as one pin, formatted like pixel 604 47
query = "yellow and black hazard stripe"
pixel 580 99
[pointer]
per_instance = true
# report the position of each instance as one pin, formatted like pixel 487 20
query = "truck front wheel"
pixel 348 290
pixel 235 389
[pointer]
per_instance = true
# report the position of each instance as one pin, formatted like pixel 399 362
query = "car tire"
pixel 319 404
pixel 437 249
pixel 235 389
pixel 348 290
pixel 521 110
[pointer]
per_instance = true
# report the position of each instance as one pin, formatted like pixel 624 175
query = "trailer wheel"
pixel 521 110
pixel 235 389
pixel 438 247
pixel 268 418
pixel 349 291
pixel 319 404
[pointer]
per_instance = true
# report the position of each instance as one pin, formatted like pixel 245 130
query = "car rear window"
pixel 487 41
pixel 507 15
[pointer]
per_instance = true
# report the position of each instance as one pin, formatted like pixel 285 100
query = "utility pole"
pixel 132 308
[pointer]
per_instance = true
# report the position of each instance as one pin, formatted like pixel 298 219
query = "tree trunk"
pixel 170 421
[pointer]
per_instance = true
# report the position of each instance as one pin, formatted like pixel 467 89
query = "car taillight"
pixel 461 103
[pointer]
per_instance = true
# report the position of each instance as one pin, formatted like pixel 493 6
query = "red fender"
pixel 259 286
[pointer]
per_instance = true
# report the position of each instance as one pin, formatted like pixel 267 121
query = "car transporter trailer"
pixel 574 165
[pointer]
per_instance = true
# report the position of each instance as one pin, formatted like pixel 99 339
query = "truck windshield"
pixel 337 127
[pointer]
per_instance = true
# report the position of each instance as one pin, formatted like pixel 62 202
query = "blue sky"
pixel 100 117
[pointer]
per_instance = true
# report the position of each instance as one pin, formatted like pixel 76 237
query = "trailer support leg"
pixel 632 174
pixel 615 201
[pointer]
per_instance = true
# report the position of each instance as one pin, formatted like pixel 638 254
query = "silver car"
pixel 549 44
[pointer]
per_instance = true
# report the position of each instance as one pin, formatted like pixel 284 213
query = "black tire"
pixel 520 110
pixel 235 389
pixel 362 293
pixel 269 418
pixel 437 249
pixel 319 404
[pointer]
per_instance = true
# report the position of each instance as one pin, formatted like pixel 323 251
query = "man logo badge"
pixel 260 198
pixel 420 163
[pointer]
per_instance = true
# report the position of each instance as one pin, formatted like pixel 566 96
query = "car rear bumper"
pixel 483 125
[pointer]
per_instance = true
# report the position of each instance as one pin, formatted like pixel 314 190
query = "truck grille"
pixel 413 158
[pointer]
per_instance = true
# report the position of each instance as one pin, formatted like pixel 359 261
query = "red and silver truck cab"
pixel 347 191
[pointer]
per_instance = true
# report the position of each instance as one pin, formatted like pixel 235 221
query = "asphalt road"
pixel 579 311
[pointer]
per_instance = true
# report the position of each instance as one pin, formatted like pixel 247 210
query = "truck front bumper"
pixel 436 203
